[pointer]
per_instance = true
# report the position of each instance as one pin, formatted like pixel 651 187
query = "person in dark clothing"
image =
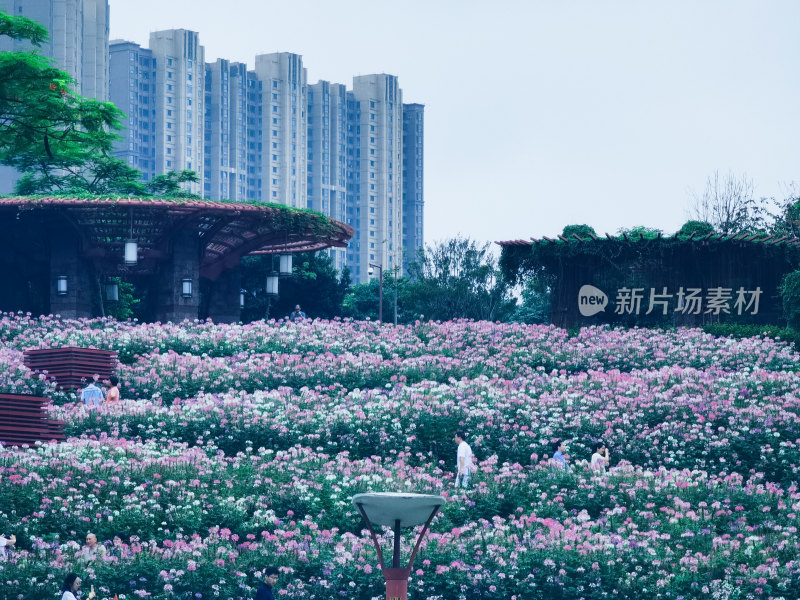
pixel 265 589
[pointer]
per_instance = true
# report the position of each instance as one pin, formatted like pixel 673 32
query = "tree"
pixel 728 204
pixel 458 278
pixel 698 228
pixel 535 305
pixel 788 220
pixel 60 141
pixel 169 184
pixel 582 231
pixel 790 294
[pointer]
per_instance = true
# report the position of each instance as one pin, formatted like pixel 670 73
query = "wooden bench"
pixel 72 367
pixel 24 420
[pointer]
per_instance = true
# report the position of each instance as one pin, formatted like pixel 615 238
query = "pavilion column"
pixel 223 306
pixel 67 264
pixel 183 264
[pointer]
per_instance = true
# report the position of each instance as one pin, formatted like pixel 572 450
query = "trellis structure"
pixel 657 280
pixel 76 242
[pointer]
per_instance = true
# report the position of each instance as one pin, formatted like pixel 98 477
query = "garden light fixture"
pixel 397 510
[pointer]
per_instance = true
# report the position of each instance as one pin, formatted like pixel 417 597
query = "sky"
pixel 545 113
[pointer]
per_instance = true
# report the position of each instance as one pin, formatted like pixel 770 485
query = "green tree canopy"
pixel 698 228
pixel 59 141
pixel 582 231
pixel 458 279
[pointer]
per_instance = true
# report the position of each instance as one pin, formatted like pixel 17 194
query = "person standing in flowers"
pixel 600 457
pixel 119 548
pixel 297 314
pixel 72 586
pixel 559 461
pixel 463 460
pixel 92 550
pixel 7 544
pixel 92 395
pixel 112 395
pixel 264 591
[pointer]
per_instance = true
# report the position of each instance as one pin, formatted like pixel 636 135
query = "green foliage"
pixel 639 232
pixel 790 293
pixel 788 220
pixel 124 307
pixel 582 231
pixel 315 285
pixel 22 28
pixel 169 185
pixel 60 141
pixel 458 279
pixel 535 306
pixel 698 228
pixel 361 301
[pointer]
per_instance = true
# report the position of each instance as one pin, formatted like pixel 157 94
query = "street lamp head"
pixel 386 508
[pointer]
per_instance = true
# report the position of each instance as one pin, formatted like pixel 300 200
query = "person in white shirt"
pixel 71 586
pixel 463 460
pixel 600 457
pixel 6 543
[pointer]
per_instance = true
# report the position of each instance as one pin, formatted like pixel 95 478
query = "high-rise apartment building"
pixel 375 177
pixel 133 91
pixel 78 44
pixel 180 98
pixel 413 169
pixel 232 110
pixel 263 135
pixel 284 128
pixel 327 155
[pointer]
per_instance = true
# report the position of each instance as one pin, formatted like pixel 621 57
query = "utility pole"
pixel 380 291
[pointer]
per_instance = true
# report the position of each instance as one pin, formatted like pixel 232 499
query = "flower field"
pixel 238 446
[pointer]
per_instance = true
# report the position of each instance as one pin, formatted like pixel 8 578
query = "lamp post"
pixel 380 291
pixel 397 511
pixel 395 269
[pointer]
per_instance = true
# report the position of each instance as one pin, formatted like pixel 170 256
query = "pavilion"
pixel 58 252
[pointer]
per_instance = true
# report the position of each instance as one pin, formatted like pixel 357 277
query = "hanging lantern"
pixel 112 291
pixel 285 265
pixel 272 284
pixel 131 253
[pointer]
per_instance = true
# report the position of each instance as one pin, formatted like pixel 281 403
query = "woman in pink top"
pixel 113 391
